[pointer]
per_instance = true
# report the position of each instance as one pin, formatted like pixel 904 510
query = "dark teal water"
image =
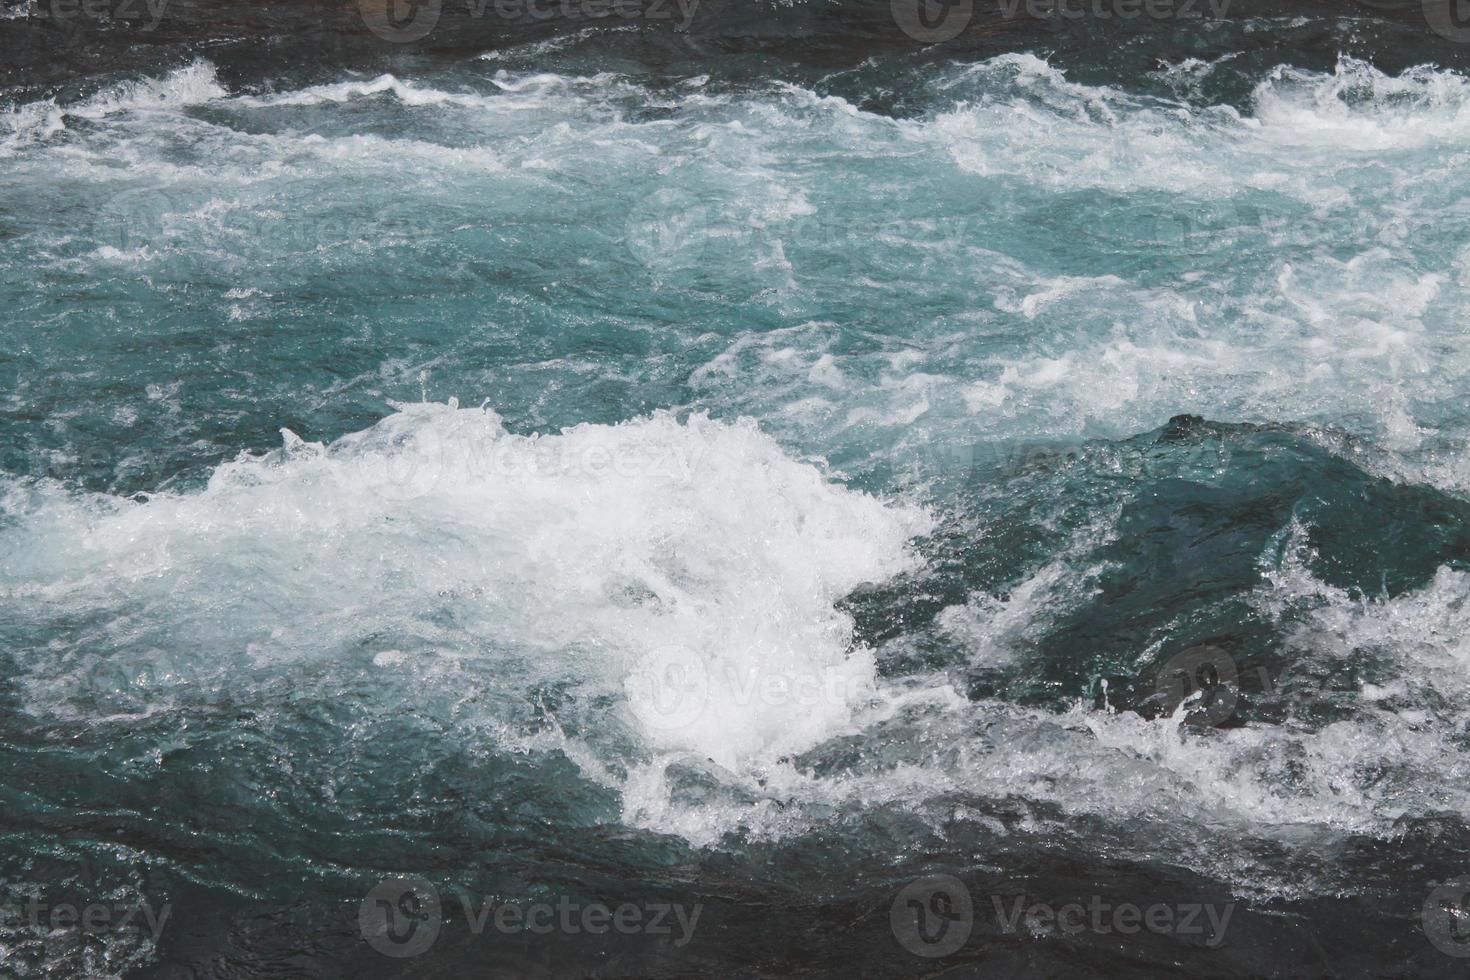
pixel 751 469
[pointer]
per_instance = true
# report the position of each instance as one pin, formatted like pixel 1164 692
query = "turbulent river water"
pixel 747 484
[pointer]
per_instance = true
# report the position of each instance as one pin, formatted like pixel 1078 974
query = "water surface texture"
pixel 746 476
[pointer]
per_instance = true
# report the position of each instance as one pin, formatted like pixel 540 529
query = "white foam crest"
pixel 603 556
pixel 1023 72
pixel 191 85
pixel 415 95
pixel 1019 116
pixel 1358 107
pixel 339 92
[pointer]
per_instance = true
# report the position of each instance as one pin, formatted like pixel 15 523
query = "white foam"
pixel 338 92
pixel 1396 752
pixel 37 121
pixel 1358 107
pixel 595 557
pixel 191 85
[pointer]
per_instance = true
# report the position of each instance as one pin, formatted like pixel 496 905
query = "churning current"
pixel 742 496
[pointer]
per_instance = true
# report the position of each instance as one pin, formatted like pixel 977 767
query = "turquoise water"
pixel 585 482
